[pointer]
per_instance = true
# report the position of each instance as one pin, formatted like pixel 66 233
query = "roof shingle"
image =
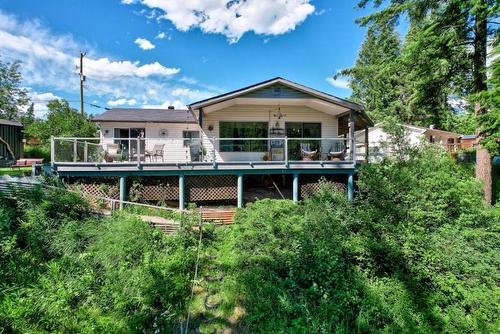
pixel 146 115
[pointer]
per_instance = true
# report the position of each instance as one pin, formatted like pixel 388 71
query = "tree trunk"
pixel 483 160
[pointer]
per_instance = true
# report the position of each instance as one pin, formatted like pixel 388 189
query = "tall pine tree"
pixel 443 58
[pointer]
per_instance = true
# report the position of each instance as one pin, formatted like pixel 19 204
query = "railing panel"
pixel 199 150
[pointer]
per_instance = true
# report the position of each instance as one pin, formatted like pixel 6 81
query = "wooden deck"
pixel 153 169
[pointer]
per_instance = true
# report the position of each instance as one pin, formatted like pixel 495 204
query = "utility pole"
pixel 82 80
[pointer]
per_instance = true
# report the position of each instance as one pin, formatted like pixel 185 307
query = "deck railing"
pixel 202 150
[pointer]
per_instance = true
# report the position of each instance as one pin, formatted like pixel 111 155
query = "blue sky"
pixel 184 57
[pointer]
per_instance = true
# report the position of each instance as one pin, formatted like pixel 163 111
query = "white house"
pixel 415 135
pixel 275 127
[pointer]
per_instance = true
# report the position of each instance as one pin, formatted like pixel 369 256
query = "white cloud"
pixel 144 44
pixel 40 101
pixel 161 35
pixel 188 80
pixel 122 102
pixel 178 104
pixel 234 18
pixel 128 2
pixel 103 68
pixel 339 83
pixel 49 63
pixel 192 94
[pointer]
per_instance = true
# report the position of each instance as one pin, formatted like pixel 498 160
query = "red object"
pixel 27 162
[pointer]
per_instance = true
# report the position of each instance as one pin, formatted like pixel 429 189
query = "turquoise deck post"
pixel 240 190
pixel 123 190
pixel 182 192
pixel 295 187
pixel 350 187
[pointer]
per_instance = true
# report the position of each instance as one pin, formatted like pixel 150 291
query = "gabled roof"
pixel 146 115
pixel 11 123
pixel 277 80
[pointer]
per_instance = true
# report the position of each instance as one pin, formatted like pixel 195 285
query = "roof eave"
pixel 313 92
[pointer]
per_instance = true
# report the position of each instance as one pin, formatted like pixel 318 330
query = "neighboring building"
pixel 11 141
pixel 416 135
pixel 276 127
pixel 449 140
pixel 468 141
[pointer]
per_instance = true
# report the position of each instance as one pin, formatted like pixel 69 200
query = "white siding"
pixel 174 150
pixel 254 113
pixel 377 137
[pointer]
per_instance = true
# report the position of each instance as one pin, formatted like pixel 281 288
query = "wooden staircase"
pixel 218 216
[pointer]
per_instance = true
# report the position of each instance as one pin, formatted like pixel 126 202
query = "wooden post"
pixel 138 152
pixel 214 157
pixel 350 187
pixel 52 148
pixel 86 151
pixel 286 151
pixel 352 140
pixel 367 141
pixel 75 150
pixel 123 191
pixel 295 187
pixel 240 190
pixel 182 192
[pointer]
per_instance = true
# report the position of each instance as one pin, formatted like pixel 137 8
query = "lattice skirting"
pixel 198 188
pixel 310 184
pixel 211 188
pixel 158 188
pixel 100 187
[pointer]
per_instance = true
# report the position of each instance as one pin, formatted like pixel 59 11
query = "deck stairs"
pixel 218 216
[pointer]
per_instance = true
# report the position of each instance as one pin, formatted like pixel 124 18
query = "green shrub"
pixel 66 270
pixel 417 252
pixel 37 151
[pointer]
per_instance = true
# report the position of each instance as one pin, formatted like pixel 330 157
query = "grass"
pixel 21 171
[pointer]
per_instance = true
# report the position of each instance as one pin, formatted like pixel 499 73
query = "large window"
pixel 296 130
pixel 191 137
pixel 303 130
pixel 243 130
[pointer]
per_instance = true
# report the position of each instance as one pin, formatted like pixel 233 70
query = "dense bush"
pixel 65 270
pixel 37 151
pixel 417 252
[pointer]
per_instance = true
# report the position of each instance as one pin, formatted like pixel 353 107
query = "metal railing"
pixel 202 150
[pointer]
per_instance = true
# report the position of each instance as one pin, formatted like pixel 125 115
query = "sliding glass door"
pixel 299 133
pixel 128 144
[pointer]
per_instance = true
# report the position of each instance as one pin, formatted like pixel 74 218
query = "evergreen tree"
pixel 443 58
pixel 375 81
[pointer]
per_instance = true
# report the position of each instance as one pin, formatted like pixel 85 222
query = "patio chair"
pixel 112 152
pixel 337 151
pixel 156 152
pixel 306 153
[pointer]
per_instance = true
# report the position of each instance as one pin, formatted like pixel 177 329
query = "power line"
pixel 87 103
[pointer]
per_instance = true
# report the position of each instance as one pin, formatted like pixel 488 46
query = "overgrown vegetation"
pixel 416 252
pixel 66 270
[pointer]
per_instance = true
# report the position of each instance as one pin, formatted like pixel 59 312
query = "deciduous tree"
pixel 12 96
